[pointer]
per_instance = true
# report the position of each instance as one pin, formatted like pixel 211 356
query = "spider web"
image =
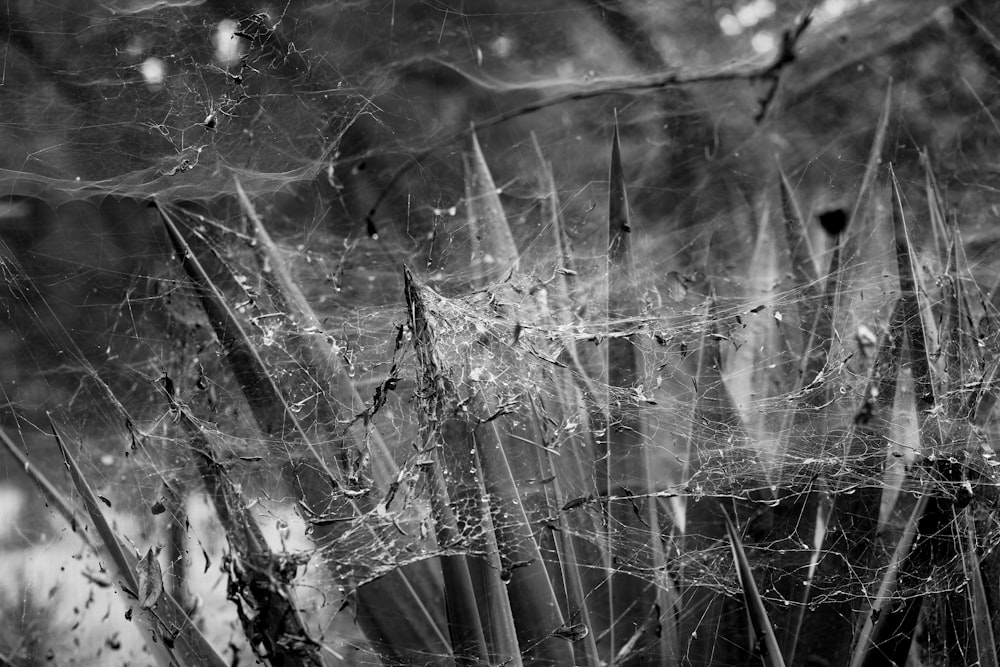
pixel 349 127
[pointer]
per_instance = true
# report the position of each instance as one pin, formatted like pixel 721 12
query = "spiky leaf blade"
pixel 466 492
pixel 393 607
pixel 771 653
pixel 494 253
pixel 189 647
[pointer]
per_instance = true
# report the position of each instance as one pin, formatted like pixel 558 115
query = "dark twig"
pixel 600 87
pixel 786 56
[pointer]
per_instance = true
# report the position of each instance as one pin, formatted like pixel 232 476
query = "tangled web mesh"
pixel 734 369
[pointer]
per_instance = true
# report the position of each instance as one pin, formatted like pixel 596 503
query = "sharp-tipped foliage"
pixel 714 404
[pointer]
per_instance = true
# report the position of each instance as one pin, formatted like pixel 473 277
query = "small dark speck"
pixel 834 221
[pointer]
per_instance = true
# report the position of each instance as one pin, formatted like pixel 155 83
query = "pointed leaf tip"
pixel 494 249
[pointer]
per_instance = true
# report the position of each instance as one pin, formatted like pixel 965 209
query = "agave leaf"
pixel 170 635
pixel 815 316
pixel 822 330
pixel 536 610
pixel 984 398
pixel 277 628
pixel 935 207
pixel 852 242
pixel 468 639
pixel 713 418
pixel 821 526
pixel 956 322
pixel 917 319
pixel 846 248
pixel 50 491
pixel 875 153
pixel 494 253
pixel 886 634
pixel 574 469
pixel 910 294
pixel 562 295
pixel 963 356
pixel 260 388
pixel 624 481
pixel 901 448
pixel 534 606
pixel 986 648
pixel 321 354
pixel 462 466
pixel 803 257
pixel 533 601
pixel 569 565
pixel 756 369
pixel 394 608
pixel 759 619
pixel 563 256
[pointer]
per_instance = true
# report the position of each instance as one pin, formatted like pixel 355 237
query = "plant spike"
pixel 269 407
pixel 494 253
pixel 986 647
pixel 318 350
pixel 749 368
pixel 277 630
pixel 935 207
pixel 821 526
pixel 533 603
pixel 622 447
pixel 801 252
pixel 170 635
pixel 880 640
pixel 910 294
pixel 713 416
pixel 407 591
pixel 764 632
pixel 814 315
pixel 455 434
pixel 562 297
pixel 874 159
pixel 535 607
pixel 569 565
pixel 574 467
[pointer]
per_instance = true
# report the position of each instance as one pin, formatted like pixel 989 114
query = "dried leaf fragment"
pixel 150 580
